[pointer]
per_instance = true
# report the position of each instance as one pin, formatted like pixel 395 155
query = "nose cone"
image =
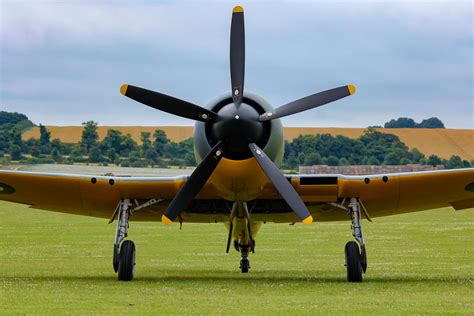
pixel 238 126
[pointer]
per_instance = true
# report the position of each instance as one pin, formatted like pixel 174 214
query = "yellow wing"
pixel 85 195
pixel 388 194
pixel 382 195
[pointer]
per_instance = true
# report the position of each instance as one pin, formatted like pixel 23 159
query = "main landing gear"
pixel 356 261
pixel 124 254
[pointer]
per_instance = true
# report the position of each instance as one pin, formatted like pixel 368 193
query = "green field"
pixel 54 263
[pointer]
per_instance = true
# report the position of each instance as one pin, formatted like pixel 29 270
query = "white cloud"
pixel 402 56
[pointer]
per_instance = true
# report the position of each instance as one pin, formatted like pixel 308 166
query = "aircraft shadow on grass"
pixel 184 278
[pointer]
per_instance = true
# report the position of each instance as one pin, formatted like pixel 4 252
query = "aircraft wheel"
pixel 244 265
pixel 353 264
pixel 126 261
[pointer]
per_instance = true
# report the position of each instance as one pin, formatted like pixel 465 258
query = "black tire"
pixel 127 261
pixel 116 259
pixel 353 264
pixel 244 265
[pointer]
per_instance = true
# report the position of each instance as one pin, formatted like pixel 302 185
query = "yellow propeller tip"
pixel 352 89
pixel 238 9
pixel 123 89
pixel 166 220
pixel 308 220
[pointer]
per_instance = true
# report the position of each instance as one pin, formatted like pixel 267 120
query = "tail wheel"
pixel 126 261
pixel 353 262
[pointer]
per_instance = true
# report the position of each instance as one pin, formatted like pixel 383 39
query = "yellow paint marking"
pixel 123 89
pixel 238 9
pixel 166 220
pixel 308 220
pixel 351 88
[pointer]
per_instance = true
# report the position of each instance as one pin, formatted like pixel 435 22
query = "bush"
pixel 454 162
pixel 15 152
pixel 125 163
pixel 434 160
pixel 405 161
pixel 333 161
pixel 139 164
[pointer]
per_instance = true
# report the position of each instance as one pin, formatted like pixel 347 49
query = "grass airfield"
pixel 55 263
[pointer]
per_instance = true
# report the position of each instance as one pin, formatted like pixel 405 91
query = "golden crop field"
pixel 441 142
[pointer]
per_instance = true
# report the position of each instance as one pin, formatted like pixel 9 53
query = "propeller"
pixel 194 184
pixel 235 129
pixel 281 184
pixel 237 54
pixel 168 103
pixel 308 102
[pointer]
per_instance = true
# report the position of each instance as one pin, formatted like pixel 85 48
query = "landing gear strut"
pixel 124 254
pixel 356 261
pixel 240 217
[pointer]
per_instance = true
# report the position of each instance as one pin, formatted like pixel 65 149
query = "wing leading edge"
pixel 382 195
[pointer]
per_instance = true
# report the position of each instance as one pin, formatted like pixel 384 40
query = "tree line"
pixel 406 122
pixel 371 148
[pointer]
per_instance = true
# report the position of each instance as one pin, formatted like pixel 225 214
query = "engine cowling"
pixel 238 127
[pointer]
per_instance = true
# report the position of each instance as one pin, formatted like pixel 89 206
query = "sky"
pixel 63 62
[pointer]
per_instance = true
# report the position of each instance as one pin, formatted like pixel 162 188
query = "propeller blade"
pixel 194 184
pixel 286 190
pixel 309 102
pixel 168 104
pixel 237 54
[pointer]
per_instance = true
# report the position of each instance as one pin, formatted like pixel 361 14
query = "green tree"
pixel 405 161
pixel 112 155
pixel 392 159
pixel 89 135
pixel 160 141
pixel 121 144
pixel 312 159
pixel 15 152
pixel 128 145
pixel 112 141
pixel 372 161
pixel 95 155
pixel 401 122
pixel 56 144
pixel 35 151
pixel 11 118
pixel 56 155
pixel 454 162
pixel 432 122
pixel 146 142
pixel 344 162
pixel 301 158
pixel 416 155
pixel 152 157
pixel 15 138
pixel 189 159
pixel 76 155
pixel 292 162
pixel 434 160
pixel 333 161
pixel 45 138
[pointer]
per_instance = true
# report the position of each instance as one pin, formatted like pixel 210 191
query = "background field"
pixel 55 263
pixel 439 141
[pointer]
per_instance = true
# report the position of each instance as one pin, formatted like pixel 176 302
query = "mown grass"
pixel 55 263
